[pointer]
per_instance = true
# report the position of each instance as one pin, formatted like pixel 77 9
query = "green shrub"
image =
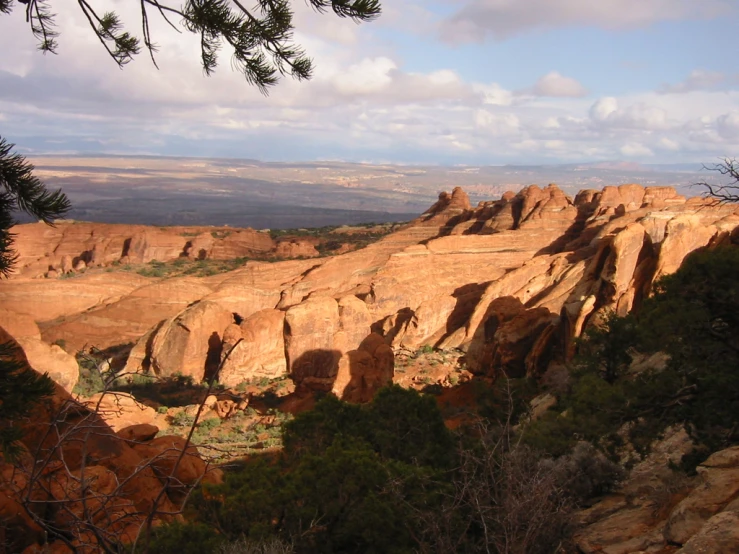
pixel 61 343
pixel 182 419
pixel 184 538
pixel 694 318
pixel 244 546
pixel 208 424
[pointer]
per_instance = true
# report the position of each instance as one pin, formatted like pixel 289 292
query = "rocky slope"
pixel 78 481
pixel 509 282
pixel 74 246
pixel 661 510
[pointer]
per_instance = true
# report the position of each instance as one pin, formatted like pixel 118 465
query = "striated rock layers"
pixel 74 246
pixel 510 282
pixel 656 510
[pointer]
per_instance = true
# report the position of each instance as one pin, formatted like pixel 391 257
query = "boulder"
pixel 52 359
pixel 178 471
pixel 310 329
pixel 82 458
pixel 719 534
pixel 191 342
pixel 121 410
pixel 362 372
pixel 256 348
pixel 140 432
pixel 719 485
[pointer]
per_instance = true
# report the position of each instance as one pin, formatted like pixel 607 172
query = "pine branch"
pixel 26 192
pixel 261 38
pixel 20 190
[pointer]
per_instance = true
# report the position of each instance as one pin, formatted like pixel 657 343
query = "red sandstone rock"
pixel 256 348
pixel 191 342
pixel 310 328
pixel 364 371
pixel 296 248
pixel 178 471
pixel 82 457
pixel 574 259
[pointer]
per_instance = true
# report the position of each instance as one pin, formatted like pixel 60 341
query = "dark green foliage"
pixel 20 389
pixel 398 424
pixel 335 487
pixel 260 36
pixel 21 191
pixel 190 538
pixel 693 317
pixel 408 427
pixel 607 349
pixel 388 477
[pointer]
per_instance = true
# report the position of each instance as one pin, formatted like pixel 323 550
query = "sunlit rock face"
pixel 510 282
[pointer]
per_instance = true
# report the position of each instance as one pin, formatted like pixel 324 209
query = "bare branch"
pixel 726 192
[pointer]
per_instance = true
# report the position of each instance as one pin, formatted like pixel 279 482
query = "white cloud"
pixel 635 150
pixel 478 19
pixel 727 125
pixel 698 79
pixel 362 102
pixel 494 94
pixel 669 144
pixel 497 123
pixel 556 85
pixel 604 108
pixel 368 76
pixel 640 116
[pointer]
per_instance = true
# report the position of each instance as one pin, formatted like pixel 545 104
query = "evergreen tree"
pixel 20 386
pixel 21 191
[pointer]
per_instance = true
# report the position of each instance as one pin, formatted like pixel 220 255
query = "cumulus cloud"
pixel 479 19
pixel 635 150
pixel 727 125
pixel 698 79
pixel 606 112
pixel 362 103
pixel 555 85
pixel 497 123
pixel 368 76
pixel 669 144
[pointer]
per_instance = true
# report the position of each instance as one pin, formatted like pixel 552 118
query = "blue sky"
pixel 450 82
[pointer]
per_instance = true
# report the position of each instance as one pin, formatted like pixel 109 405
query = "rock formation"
pixel 510 282
pixel 77 474
pixel 74 246
pixel 651 514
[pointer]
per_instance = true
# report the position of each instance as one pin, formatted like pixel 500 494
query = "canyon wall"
pixel 509 282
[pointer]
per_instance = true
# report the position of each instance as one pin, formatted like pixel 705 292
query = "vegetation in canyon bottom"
pixel 390 477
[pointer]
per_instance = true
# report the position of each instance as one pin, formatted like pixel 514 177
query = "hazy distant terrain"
pixel 249 193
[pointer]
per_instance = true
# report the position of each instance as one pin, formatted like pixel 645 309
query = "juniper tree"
pixel 260 37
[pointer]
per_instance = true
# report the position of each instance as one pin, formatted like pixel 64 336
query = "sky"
pixel 475 82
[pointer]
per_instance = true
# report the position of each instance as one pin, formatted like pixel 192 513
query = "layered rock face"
pixel 74 246
pixel 652 512
pixel 510 282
